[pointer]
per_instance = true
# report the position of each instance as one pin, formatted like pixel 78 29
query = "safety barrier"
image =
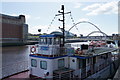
pixel 52 51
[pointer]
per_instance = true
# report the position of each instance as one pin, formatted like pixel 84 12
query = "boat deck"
pixel 86 53
pixel 96 51
pixel 64 70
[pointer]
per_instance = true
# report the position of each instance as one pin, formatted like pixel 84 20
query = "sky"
pixel 39 15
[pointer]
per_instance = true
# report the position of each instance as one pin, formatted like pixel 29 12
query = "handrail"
pixel 53 51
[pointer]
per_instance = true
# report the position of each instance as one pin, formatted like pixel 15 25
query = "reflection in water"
pixel 14 59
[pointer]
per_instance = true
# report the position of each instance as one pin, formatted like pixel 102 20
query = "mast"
pixel 63 25
pixel 63 21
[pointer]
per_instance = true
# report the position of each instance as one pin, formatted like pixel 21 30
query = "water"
pixel 14 60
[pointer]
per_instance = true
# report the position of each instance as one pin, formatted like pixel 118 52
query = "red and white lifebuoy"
pixel 33 49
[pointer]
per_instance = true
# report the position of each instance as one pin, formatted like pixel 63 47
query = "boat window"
pixel 61 40
pixel 106 55
pixel 82 63
pixel 43 65
pixel 94 60
pixel 41 41
pixel 84 47
pixel 88 60
pixel 33 62
pixel 49 41
pixel 61 63
pixel 45 40
pixel 56 40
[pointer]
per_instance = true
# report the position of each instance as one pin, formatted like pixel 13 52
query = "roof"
pixel 51 35
pixel 12 17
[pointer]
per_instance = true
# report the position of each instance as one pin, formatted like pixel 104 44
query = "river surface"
pixel 14 59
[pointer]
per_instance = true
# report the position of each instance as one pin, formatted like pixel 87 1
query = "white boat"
pixel 49 59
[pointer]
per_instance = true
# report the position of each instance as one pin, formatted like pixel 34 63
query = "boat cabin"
pixel 51 58
pixel 55 61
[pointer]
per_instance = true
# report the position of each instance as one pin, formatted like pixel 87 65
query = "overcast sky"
pixel 40 14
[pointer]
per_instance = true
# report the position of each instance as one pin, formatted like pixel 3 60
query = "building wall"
pixel 14 29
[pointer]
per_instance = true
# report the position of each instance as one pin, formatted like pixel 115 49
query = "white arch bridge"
pixel 88 37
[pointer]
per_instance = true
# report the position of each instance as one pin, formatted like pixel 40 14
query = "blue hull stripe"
pixel 81 57
pixel 47 57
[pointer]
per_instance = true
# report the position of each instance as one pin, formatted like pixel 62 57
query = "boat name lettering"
pixel 44 48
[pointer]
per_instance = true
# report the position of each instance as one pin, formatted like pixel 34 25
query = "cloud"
pixel 102 8
pixel 92 7
pixel 77 5
pixel 83 19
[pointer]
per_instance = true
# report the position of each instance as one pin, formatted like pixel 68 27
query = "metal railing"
pixel 52 51
pixel 94 68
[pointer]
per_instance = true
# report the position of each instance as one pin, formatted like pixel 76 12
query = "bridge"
pixel 86 39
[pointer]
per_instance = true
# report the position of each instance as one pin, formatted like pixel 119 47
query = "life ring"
pixel 33 49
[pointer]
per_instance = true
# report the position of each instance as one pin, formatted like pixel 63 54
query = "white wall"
pixel 52 64
pixel 37 71
pixel 52 49
pixel 73 65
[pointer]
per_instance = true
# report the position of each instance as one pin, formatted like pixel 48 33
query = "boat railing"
pixel 98 66
pixel 93 68
pixel 53 51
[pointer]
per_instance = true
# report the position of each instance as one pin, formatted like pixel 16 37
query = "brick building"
pixel 14 29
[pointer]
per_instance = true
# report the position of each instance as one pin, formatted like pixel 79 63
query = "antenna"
pixel 63 21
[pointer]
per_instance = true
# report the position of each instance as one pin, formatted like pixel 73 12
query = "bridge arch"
pixel 104 34
pixel 85 22
pixel 97 32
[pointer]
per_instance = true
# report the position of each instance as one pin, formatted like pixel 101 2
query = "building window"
pixel 61 63
pixel 43 65
pixel 33 62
